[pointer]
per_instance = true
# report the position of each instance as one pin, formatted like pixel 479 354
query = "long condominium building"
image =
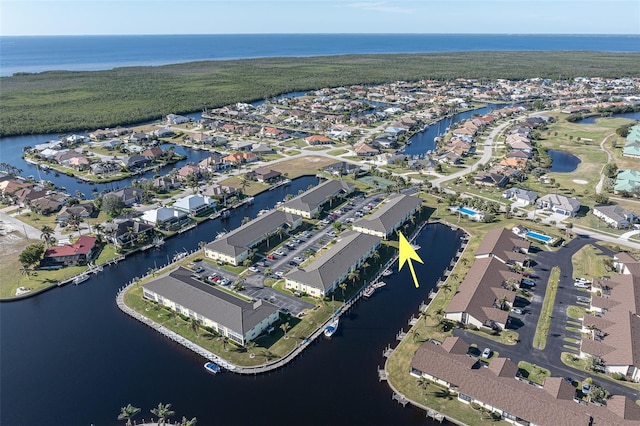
pixel 395 211
pixel 323 275
pixel 310 203
pixel 235 318
pixel 235 246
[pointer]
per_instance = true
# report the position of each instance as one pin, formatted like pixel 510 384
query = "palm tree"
pixel 194 326
pixel 444 393
pixel 47 235
pixel 225 342
pixel 162 411
pixel 375 255
pixel 423 382
pixel 353 275
pixel 343 287
pixel 365 265
pixel 126 413
pixel 186 422
pixel 250 346
pixel 415 334
pixel 245 219
pixel 75 221
pixel 244 182
pixel 285 327
pixel 280 232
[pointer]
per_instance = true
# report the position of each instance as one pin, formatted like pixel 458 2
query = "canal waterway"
pixel 70 356
pixel 423 141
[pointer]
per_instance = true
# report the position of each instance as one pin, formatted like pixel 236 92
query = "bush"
pixel 617 376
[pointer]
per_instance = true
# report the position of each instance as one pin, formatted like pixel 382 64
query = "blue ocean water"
pixel 86 53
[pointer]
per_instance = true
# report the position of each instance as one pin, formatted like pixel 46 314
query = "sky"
pixel 98 17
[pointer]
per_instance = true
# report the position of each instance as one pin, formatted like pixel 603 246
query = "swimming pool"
pixel 467 211
pixel 539 237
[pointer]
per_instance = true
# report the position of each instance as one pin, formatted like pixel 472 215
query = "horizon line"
pixel 325 34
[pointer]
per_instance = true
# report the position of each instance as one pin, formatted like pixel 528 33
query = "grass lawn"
pixel 588 262
pixel 271 157
pixel 544 322
pixel 253 188
pixel 37 220
pixel 291 152
pixel 580 364
pixel 576 312
pixel 338 151
pixel 307 165
pixel 533 372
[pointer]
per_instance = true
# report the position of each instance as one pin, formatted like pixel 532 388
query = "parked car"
pixel 280 252
pixel 527 281
pixel 586 387
pixel 518 311
pixel 271 256
pixel 199 269
pixel 296 241
pixel 253 269
pixel 279 274
pixel 582 280
pixel 292 263
pixel 298 259
pixel 584 299
pixel 486 353
pixel 581 284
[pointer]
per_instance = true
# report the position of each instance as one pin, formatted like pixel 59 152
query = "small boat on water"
pixel 416 246
pixel 378 284
pixel 226 214
pixel 331 328
pixel 81 278
pixel 387 272
pixel 212 367
pixel 368 292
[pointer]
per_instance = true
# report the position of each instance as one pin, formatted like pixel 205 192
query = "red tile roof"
pixel 82 246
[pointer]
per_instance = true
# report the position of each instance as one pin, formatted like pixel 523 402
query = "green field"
pixel 63 101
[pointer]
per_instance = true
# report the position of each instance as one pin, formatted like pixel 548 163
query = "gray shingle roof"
pixel 234 313
pixel 323 271
pixel 238 240
pixel 387 217
pixel 315 197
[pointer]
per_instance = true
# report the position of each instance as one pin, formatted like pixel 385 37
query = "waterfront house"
pixel 309 204
pixel 24 196
pixel 394 212
pixel 485 295
pixel 213 163
pixel 46 205
pixel 556 203
pixel 233 317
pixel 266 175
pixel 190 170
pixel 195 204
pixel 318 140
pixel 504 245
pixel 129 196
pixel 615 216
pixel 365 150
pixel 497 388
pixel 165 218
pixel 173 119
pixel 217 190
pixel 240 158
pixel 134 161
pixel 235 246
pixel 323 275
pixel 166 183
pixel 79 253
pixel 123 233
pixel 104 168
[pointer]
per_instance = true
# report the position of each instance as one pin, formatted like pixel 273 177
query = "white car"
pixel 581 284
pixel 582 280
pixel 279 274
pixel 298 259
pixel 253 269
pixel 486 353
pixel 518 311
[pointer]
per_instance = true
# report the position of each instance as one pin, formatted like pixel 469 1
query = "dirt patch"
pixel 307 165
pixel 580 181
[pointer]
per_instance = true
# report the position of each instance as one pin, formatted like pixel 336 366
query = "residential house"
pixel 567 206
pixel 236 319
pixel 497 388
pixel 24 196
pixel 46 205
pixel 309 204
pixel 490 179
pixel 213 163
pixel 266 175
pixel 166 183
pixel 134 161
pixel 153 152
pixel 173 119
pixel 129 196
pixel 615 216
pixel 323 275
pixel 79 253
pixel 217 190
pixel 104 168
pixel 485 296
pixel 318 140
pixel 523 197
pixel 240 158
pixel 395 211
pixel 84 211
pixel 235 246
pixel 365 150
pixel 165 218
pixel 123 233
pixel 190 170
pixel 194 205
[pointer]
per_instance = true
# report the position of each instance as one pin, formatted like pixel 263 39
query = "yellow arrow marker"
pixel 408 254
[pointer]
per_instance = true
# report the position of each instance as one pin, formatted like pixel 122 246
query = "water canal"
pixel 70 356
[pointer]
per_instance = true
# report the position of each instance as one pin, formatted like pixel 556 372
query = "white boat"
pixel 387 272
pixel 212 367
pixel 81 278
pixel 368 292
pixel 378 284
pixel 332 327
pixel 416 246
pixel 226 214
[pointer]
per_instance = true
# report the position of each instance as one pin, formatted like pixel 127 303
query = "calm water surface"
pixel 562 161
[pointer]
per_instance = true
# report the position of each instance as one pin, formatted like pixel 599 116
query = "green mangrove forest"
pixel 65 101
